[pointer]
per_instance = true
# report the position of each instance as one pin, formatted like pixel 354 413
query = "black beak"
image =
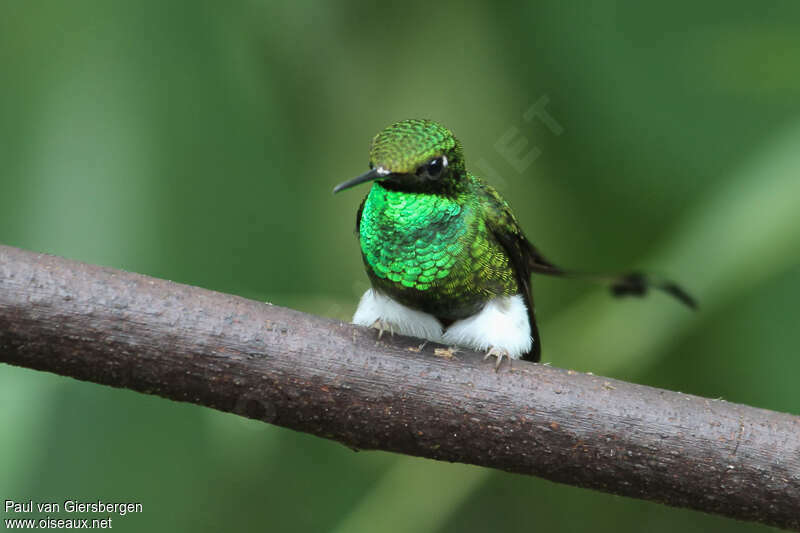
pixel 371 175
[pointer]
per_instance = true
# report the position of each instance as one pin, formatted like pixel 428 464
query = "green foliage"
pixel 199 141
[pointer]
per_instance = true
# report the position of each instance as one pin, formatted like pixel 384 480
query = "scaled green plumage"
pixel 429 244
pixel 439 240
pixel 403 146
pixel 434 253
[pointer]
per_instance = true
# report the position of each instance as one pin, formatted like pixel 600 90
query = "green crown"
pixel 405 145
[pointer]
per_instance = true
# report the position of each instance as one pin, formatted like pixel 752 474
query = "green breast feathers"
pixel 431 252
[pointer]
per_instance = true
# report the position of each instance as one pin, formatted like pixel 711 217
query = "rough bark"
pixel 338 381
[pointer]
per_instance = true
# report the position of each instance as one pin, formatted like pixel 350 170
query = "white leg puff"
pixel 501 326
pixel 394 316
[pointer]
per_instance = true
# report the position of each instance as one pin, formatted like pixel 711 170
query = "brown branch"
pixel 338 381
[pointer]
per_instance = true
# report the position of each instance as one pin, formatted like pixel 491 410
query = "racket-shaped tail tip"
pixel 637 284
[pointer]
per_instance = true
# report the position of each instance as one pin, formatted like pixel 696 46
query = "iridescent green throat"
pixel 432 252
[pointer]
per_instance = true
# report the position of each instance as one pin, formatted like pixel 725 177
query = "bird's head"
pixel 416 156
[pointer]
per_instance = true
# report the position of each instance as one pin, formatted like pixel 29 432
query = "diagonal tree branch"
pixel 338 381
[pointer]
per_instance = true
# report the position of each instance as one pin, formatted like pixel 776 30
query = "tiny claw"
pixel 381 326
pixel 498 353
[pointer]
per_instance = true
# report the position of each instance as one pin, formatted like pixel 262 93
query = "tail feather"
pixel 637 284
pixel 630 284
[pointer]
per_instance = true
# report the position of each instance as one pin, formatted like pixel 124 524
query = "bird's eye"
pixel 434 168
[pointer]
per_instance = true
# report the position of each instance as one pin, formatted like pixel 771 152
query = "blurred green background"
pixel 199 141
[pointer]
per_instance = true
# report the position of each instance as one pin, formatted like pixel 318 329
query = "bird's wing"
pixel 506 230
pixel 626 284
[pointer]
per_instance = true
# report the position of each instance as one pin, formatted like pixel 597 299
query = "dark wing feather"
pixel 507 231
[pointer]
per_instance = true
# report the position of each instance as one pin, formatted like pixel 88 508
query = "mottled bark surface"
pixel 339 382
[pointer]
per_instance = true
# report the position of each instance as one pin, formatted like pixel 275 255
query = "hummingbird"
pixel 445 255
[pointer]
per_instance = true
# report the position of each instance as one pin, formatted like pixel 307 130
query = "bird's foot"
pixel 382 325
pixel 499 354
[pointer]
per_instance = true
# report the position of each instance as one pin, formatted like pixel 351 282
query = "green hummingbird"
pixel 445 255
